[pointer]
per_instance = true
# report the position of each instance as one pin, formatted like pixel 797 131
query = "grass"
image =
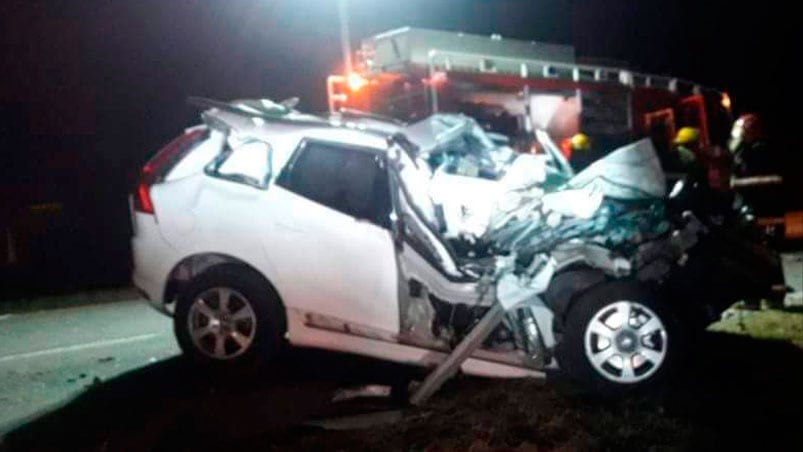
pixel 765 324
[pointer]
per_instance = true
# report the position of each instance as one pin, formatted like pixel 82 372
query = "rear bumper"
pixel 151 290
pixel 153 258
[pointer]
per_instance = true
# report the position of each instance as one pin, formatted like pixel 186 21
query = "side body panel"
pixel 332 264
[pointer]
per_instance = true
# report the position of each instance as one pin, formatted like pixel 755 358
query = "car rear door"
pixel 332 243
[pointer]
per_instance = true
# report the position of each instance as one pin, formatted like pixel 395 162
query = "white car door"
pixel 331 240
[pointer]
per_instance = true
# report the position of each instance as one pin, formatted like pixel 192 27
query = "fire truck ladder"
pixel 476 63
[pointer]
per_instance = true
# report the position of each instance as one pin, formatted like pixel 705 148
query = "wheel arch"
pixel 567 286
pixel 196 264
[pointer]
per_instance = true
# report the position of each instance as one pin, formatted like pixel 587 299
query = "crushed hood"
pixel 630 172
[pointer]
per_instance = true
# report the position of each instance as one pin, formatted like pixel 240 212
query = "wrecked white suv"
pixel 264 226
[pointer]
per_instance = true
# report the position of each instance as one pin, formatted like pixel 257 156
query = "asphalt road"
pixel 48 357
pixel 110 376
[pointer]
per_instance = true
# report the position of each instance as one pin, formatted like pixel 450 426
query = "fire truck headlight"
pixel 726 101
pixel 355 82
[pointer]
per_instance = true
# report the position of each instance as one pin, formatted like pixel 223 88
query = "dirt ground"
pixel 737 391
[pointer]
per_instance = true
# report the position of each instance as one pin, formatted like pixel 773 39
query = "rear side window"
pixel 247 163
pixel 351 181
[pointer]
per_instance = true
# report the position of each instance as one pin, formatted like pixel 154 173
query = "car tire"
pixel 229 317
pixel 619 336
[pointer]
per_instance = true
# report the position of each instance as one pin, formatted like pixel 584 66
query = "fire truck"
pixel 515 86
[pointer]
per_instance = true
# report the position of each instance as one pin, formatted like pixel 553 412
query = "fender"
pixel 566 286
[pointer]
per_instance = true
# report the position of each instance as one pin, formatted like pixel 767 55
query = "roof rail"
pixel 354 113
pixel 249 108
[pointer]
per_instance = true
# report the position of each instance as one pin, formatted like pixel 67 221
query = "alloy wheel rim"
pixel 626 342
pixel 222 323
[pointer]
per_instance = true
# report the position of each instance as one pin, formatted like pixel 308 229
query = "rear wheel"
pixel 227 316
pixel 619 336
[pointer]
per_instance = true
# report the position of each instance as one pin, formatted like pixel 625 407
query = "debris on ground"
pixel 364 421
pixel 362 391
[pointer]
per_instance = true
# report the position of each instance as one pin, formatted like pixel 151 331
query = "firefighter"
pixel 752 155
pixel 686 147
pixel 581 154
pixel 748 147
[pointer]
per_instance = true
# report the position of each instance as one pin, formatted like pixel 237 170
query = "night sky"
pixel 89 89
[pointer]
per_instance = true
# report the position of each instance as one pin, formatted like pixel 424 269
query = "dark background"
pixel 89 89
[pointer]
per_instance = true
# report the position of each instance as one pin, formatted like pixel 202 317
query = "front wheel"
pixel 619 336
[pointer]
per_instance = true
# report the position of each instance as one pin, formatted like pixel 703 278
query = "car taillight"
pixel 142 200
pixel 161 163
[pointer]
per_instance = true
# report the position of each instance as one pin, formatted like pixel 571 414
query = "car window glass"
pixel 350 181
pixel 247 163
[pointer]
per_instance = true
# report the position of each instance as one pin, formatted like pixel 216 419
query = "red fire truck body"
pixel 514 86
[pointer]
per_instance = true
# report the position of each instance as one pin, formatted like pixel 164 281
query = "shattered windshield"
pixel 456 144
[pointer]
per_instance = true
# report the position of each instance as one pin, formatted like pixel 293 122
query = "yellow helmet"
pixel 581 142
pixel 687 135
